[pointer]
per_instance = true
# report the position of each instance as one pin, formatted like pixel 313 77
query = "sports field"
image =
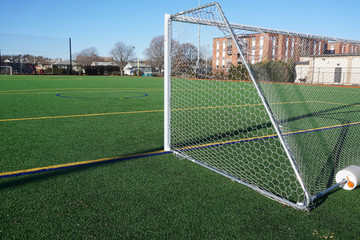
pixel 93 146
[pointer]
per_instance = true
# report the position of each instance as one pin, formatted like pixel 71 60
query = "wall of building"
pixel 302 71
pixel 322 70
pixel 355 71
pixel 341 70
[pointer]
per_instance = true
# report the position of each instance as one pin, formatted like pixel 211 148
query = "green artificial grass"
pixel 38 142
pixel 159 197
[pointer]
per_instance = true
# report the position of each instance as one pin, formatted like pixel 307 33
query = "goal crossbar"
pixel 196 20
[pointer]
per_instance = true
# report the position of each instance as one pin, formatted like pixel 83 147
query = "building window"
pixel 229 46
pixel 343 49
pixel 292 46
pixel 217 63
pixel 305 47
pixel 261 48
pixel 325 46
pixel 273 47
pixel 223 49
pixel 229 43
pixel 352 49
pixel 319 51
pixel 253 50
pixel 245 43
pixel 223 63
pixel 314 50
pixel 286 48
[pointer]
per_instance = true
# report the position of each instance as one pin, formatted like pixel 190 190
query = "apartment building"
pixel 340 47
pixel 267 46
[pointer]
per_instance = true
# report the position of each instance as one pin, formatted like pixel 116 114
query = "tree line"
pixel 122 53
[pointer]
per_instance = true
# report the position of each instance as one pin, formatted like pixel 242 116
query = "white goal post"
pixel 273 110
pixel 5 70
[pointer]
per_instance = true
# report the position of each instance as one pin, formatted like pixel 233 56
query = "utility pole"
pixel 20 63
pixel 70 72
pixel 138 65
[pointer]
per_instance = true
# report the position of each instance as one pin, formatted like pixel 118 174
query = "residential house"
pixel 132 67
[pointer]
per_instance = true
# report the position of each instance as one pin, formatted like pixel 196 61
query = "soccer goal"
pixel 274 110
pixel 5 70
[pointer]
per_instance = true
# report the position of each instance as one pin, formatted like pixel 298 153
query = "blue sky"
pixel 102 23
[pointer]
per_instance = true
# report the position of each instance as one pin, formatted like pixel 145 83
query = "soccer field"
pixel 87 127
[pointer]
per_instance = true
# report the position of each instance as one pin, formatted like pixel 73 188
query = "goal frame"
pixel 308 199
pixel 167 111
pixel 9 67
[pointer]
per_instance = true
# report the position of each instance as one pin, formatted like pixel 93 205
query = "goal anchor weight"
pixel 348 179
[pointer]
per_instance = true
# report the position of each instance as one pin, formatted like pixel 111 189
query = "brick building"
pixel 267 46
pixel 340 47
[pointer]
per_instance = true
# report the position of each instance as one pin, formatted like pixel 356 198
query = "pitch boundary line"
pixel 267 136
pixel 87 91
pixel 57 89
pixel 133 112
pixel 80 115
pixel 161 152
pixel 78 164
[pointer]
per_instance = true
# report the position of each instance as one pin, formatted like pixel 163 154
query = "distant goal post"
pixel 6 70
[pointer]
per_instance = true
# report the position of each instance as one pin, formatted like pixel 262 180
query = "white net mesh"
pixel 218 117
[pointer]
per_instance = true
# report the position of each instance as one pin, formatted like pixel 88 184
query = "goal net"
pixel 274 110
pixel 5 70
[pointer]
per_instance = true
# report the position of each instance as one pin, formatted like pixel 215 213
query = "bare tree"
pixel 87 56
pixel 184 54
pixel 122 54
pixel 155 53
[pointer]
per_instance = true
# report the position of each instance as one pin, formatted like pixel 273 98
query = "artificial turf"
pixel 158 197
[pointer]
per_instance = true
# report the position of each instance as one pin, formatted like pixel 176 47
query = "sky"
pixel 102 23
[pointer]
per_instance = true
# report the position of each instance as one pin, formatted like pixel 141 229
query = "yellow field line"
pixel 225 142
pixel 345 104
pixel 77 163
pixel 59 166
pixel 323 128
pixel 230 106
pixel 80 115
pixel 119 90
pixel 269 136
pixel 132 112
pixel 31 93
pixel 60 89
